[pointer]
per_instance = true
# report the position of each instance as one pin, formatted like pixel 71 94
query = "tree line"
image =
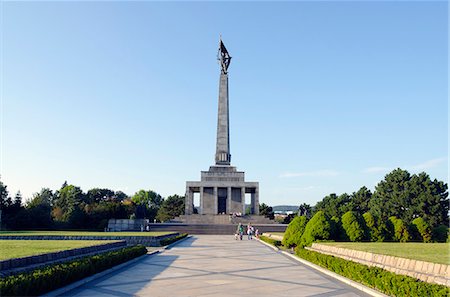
pixel 403 207
pixel 71 208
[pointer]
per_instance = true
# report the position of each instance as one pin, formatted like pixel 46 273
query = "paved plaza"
pixel 211 265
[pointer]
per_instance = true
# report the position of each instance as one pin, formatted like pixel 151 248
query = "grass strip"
pixel 384 281
pixel 24 248
pixel 54 276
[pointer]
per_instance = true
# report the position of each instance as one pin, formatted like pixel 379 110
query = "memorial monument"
pixel 222 188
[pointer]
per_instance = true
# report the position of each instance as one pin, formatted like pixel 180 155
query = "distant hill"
pixel 285 208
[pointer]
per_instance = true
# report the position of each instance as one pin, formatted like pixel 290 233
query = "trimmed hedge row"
pixel 167 241
pixel 270 240
pixel 374 277
pixel 52 277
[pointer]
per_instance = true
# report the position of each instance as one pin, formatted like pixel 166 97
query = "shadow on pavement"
pixel 128 280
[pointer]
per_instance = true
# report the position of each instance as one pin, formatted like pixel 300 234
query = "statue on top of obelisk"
pixel 224 57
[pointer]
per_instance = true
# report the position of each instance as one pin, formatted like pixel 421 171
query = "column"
pixel 228 200
pixel 243 200
pixel 257 201
pixel 188 207
pixel 201 200
pixel 215 200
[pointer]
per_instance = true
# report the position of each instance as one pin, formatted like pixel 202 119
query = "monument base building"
pixel 222 191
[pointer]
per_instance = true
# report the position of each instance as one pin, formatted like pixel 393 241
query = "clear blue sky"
pixel 324 96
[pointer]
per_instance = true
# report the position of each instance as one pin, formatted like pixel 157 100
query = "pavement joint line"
pixel 96 276
pixel 341 278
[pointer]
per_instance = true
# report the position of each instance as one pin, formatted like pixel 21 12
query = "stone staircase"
pixel 217 229
pixel 222 219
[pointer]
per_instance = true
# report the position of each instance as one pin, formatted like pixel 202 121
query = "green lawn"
pixel 430 252
pixel 23 248
pixel 83 233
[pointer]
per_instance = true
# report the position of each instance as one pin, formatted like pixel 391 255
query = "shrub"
pixel 440 233
pixel 318 228
pixel 374 277
pixel 352 226
pixel 423 229
pixel 269 240
pixel 374 232
pixel 294 232
pixel 167 241
pixel 401 232
pixel 54 276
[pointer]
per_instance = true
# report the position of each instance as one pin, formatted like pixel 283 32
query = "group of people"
pixel 251 231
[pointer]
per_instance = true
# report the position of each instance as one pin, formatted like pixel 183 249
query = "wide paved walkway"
pixel 209 265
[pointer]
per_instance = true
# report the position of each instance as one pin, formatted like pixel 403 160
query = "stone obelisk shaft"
pixel 223 156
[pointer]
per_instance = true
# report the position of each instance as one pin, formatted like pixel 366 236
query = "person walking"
pixel 249 232
pixel 240 231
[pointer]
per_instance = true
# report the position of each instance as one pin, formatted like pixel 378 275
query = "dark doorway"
pixel 222 200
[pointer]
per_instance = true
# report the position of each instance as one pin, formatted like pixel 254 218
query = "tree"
pixel 318 228
pixel 4 195
pixel 401 232
pixel 267 211
pixel 69 200
pixel 361 199
pixel 352 226
pixel 423 229
pixel 408 197
pixel 294 231
pixel 372 229
pixel 334 206
pixel 97 195
pixel 171 207
pixel 39 209
pixel 148 203
pixel 305 210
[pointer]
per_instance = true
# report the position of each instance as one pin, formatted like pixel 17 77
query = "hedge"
pixel 294 232
pixel 270 240
pixel 167 241
pixel 48 278
pixel 374 277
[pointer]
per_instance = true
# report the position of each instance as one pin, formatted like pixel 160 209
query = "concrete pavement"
pixel 210 265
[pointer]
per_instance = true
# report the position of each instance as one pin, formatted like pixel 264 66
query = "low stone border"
pixel 345 280
pixel 425 271
pixel 130 240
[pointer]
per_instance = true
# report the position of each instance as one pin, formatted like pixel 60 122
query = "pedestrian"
pixel 249 232
pixel 257 233
pixel 241 231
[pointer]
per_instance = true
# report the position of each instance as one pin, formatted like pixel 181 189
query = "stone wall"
pixel 130 240
pixel 425 271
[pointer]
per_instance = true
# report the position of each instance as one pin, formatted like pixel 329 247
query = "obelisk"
pixel 223 156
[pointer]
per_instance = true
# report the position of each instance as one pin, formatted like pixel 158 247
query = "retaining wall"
pixel 425 271
pixel 130 240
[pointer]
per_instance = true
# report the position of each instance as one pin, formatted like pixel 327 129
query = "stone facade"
pixel 222 188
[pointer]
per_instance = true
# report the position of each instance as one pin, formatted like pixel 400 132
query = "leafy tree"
pixel 423 229
pixel 97 195
pixel 318 228
pixel 267 211
pixel 148 203
pixel 171 207
pixel 294 231
pixel 69 200
pixel 352 226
